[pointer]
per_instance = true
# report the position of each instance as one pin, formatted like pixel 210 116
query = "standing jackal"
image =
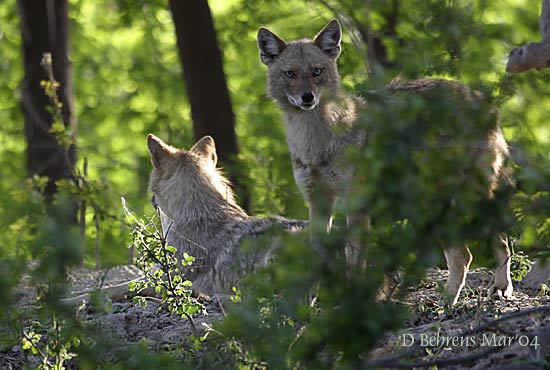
pixel 200 216
pixel 321 125
pixel 303 79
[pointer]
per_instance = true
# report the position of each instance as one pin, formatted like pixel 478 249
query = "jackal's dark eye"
pixel 289 74
pixel 317 72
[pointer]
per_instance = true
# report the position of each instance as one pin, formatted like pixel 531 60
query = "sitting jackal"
pixel 200 216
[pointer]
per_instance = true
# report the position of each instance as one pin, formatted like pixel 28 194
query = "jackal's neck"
pixel 210 209
pixel 208 200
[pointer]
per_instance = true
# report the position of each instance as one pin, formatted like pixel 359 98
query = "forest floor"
pixel 479 332
pixel 427 339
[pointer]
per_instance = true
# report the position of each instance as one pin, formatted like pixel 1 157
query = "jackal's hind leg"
pixel 502 285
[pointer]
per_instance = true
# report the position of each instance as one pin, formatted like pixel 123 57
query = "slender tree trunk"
pixel 44 29
pixel 205 82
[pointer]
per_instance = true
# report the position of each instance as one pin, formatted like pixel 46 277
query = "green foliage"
pixel 127 83
pixel 421 185
pixel 409 186
pixel 55 350
pixel 520 266
pixel 54 248
pixel 162 266
pixel 64 135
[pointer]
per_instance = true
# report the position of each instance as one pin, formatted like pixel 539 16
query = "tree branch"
pixel 533 54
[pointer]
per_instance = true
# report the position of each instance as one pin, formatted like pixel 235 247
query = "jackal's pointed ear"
pixel 270 45
pixel 206 148
pixel 329 39
pixel 158 150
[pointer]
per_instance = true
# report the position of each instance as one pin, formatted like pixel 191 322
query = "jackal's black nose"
pixel 307 98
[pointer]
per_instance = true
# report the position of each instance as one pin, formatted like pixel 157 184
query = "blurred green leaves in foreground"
pixel 127 83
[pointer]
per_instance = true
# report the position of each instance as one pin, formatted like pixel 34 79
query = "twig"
pixel 166 269
pixel 80 182
pixel 163 261
pixel 57 113
pixel 113 291
pixel 38 350
pixel 97 240
pixel 220 304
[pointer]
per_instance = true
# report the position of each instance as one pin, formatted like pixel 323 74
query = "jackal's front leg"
pixel 458 262
pixel 320 203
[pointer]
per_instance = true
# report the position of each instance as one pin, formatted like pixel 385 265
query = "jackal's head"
pixel 187 181
pixel 300 71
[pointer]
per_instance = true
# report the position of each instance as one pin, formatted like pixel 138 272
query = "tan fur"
pixel 200 216
pixel 490 153
pixel 319 133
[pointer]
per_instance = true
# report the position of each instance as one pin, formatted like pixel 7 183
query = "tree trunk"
pixel 44 29
pixel 205 82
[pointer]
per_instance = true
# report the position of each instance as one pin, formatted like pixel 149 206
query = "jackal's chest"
pixel 317 153
pixel 313 143
pixel 334 176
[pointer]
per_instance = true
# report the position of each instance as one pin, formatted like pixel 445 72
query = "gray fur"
pixel 318 135
pixel 201 217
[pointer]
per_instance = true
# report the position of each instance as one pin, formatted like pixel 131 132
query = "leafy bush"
pixel 162 268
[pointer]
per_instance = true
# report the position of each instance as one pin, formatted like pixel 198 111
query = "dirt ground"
pixel 436 334
pixel 513 345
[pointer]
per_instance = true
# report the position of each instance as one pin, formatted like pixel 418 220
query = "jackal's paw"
pixel 501 291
